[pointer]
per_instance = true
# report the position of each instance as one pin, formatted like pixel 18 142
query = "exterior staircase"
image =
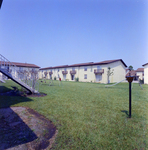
pixel 5 65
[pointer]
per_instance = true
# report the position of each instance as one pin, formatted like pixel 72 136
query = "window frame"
pixel 85 68
pixel 99 67
pixel 85 76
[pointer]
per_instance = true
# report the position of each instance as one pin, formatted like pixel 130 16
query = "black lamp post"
pixel 130 79
pixel 1 3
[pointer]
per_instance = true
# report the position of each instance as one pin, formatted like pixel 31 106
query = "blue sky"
pixel 64 32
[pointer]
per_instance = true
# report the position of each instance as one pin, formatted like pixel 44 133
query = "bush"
pixel 55 78
pixel 77 79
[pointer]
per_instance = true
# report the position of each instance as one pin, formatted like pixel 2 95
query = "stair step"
pixel 5 62
pixel 18 81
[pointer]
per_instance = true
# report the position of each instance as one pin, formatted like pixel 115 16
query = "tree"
pixel 45 73
pixel 34 77
pixel 130 68
pixel 20 74
pixel 44 79
pixel 26 76
pixel 109 73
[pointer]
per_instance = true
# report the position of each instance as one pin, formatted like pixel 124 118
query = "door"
pixel 72 77
pixel 98 77
pixel 64 77
pixel 50 76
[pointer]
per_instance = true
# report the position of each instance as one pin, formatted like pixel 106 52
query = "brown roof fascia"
pixel 109 61
pixel 145 64
pixel 22 64
pixel 86 64
pixel 25 65
pixel 81 64
pixel 46 68
pixel 64 66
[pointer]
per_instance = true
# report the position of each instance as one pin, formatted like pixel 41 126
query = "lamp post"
pixel 1 3
pixel 130 79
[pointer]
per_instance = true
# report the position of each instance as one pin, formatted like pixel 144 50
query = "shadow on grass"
pixel 13 130
pixel 4 89
pixel 11 97
pixel 126 112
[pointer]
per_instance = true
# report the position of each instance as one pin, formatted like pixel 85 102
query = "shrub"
pixel 77 79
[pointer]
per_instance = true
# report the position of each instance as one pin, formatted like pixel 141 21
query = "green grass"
pixel 89 116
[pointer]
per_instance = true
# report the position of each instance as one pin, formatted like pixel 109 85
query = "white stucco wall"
pixel 118 73
pixel 140 74
pixel 146 74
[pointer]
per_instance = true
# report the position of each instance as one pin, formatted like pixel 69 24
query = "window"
pixel 98 67
pixel 91 69
pixel 64 69
pixel 85 76
pixel 20 68
pixel 85 68
pixel 73 68
pixel 50 70
pixel 58 70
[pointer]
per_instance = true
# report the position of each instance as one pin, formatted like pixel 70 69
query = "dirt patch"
pixel 22 128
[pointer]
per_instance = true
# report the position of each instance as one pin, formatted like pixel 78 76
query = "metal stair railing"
pixel 15 74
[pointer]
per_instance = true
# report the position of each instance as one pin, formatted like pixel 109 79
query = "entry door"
pixel 50 76
pixel 64 76
pixel 72 77
pixel 98 77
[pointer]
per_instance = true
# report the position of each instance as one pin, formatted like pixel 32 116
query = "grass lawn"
pixel 89 116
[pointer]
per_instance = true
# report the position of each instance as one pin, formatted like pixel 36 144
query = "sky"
pixel 65 32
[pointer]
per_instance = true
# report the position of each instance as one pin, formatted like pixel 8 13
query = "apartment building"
pixel 87 72
pixel 145 73
pixel 17 68
pixel 140 73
